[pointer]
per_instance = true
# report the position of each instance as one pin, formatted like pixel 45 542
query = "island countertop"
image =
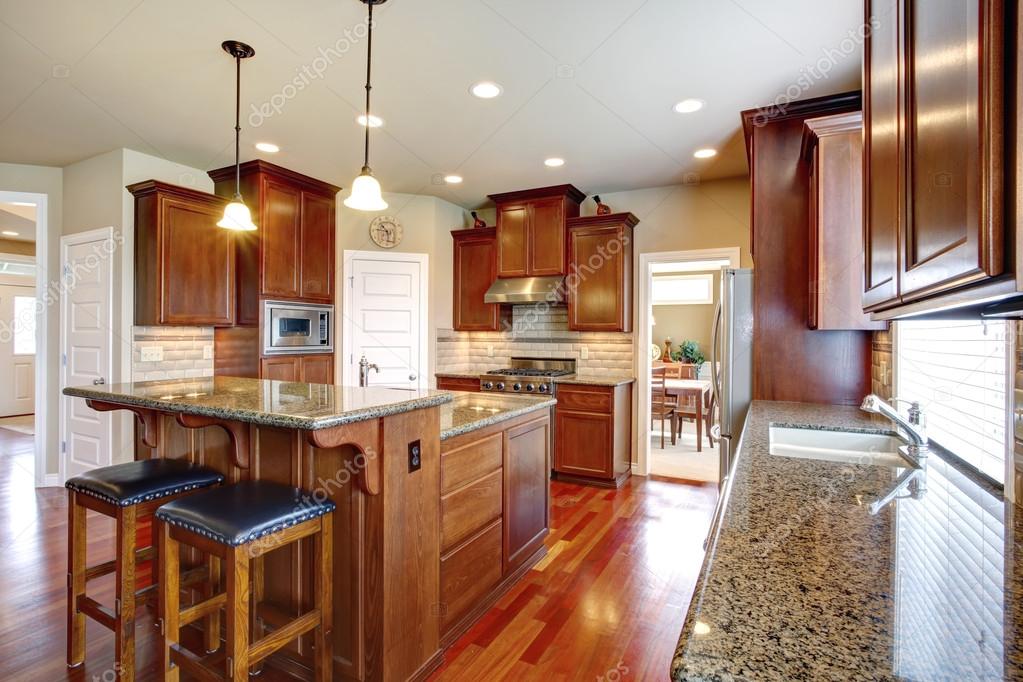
pixel 268 403
pixel 471 411
pixel 802 582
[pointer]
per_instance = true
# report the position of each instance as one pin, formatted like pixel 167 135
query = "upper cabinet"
pixel 935 75
pixel 291 255
pixel 600 272
pixel 475 269
pixel 531 230
pixel 832 152
pixel 184 263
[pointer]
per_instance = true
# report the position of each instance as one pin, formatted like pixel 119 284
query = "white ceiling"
pixel 592 81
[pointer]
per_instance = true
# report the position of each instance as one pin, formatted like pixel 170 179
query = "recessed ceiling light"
pixel 453 179
pixel 688 106
pixel 268 147
pixel 705 153
pixel 9 233
pixel 21 203
pixel 486 90
pixel 374 121
pixel 554 162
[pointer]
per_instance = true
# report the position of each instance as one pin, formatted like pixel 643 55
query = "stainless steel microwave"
pixel 297 328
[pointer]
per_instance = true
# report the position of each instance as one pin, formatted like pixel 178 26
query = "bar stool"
pixel 127 493
pixel 239 523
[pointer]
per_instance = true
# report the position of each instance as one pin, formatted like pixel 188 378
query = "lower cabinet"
pixel 495 514
pixel 458 384
pixel 307 369
pixel 593 434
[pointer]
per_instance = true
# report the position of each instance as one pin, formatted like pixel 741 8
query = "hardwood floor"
pixel 606 603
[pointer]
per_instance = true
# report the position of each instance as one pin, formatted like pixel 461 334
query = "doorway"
pixel 385 318
pixel 677 299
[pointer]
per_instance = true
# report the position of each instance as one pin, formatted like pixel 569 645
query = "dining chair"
pixel 662 405
pixel 686 411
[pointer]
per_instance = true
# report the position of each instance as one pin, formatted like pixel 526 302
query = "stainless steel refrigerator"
pixel 732 361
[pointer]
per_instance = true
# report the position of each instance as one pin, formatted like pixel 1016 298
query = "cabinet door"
pixel 583 444
pixel 318 369
pixel 526 484
pixel 597 301
pixel 475 271
pixel 283 368
pixel 282 235
pixel 512 240
pixel 197 265
pixel 458 384
pixel 954 233
pixel 546 252
pixel 884 165
pixel 317 249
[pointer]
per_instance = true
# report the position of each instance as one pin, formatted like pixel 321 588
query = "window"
pixel 957 371
pixel 24 325
pixel 683 289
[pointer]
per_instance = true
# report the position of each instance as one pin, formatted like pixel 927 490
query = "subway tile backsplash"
pixel 184 353
pixel 538 332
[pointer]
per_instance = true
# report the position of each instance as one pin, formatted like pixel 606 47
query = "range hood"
pixel 527 290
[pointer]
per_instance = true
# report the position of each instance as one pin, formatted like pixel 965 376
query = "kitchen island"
pixel 376 452
pixel 804 580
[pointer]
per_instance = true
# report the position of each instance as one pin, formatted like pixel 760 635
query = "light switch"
pixel 207 352
pixel 152 353
pixel 584 353
pixel 490 351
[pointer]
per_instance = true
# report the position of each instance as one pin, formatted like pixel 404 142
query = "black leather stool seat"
pixel 135 482
pixel 243 512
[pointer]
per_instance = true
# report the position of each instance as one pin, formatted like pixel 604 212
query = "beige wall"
pixel 48 181
pixel 687 322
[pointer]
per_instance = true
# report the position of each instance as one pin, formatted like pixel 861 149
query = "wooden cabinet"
pixel 593 434
pixel 935 75
pixel 316 262
pixel 600 272
pixel 307 369
pixel 531 238
pixel 475 269
pixel 280 223
pixel 184 263
pixel 832 152
pixel 471 384
pixel 526 483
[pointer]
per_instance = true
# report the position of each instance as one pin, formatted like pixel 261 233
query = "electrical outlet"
pixel 415 456
pixel 152 353
pixel 490 351
pixel 207 352
pixel 584 353
pixel 884 372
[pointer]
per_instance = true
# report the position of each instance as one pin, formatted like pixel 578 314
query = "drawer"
pixel 585 398
pixel 468 509
pixel 469 572
pixel 458 384
pixel 470 462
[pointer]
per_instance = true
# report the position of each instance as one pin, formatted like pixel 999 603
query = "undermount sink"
pixel 849 447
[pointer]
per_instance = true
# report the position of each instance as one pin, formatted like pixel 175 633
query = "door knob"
pixel 411 377
pixel 99 382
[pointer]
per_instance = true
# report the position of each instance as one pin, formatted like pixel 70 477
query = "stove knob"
pixel 530 387
pixel 500 385
pixel 517 387
pixel 488 385
pixel 543 388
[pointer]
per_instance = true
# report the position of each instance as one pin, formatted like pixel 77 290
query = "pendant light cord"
pixel 369 73
pixel 237 128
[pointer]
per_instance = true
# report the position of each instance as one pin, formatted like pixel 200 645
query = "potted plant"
pixel 689 352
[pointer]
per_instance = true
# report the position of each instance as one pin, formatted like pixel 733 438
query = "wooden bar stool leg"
pixel 322 567
pixel 258 590
pixel 170 596
pixel 75 581
pixel 211 631
pixel 238 614
pixel 124 605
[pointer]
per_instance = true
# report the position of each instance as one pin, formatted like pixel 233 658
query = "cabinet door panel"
pixel 884 161
pixel 583 444
pixel 198 263
pixel 285 368
pixel 282 211
pixel 317 248
pixel 469 508
pixel 512 240
pixel 468 572
pixel 526 483
pixel 954 232
pixel 474 272
pixel 596 302
pixel 318 369
pixel 547 238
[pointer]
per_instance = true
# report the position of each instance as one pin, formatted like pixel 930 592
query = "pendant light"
pixel 365 194
pixel 236 214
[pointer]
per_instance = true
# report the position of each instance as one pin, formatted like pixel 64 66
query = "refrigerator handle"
pixel 715 377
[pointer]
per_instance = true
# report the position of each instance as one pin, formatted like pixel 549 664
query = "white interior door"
pixel 86 339
pixel 17 349
pixel 385 319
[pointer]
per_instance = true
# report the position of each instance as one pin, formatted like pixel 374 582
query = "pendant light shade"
pixel 236 214
pixel 366 193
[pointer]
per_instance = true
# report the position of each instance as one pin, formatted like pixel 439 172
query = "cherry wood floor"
pixel 607 603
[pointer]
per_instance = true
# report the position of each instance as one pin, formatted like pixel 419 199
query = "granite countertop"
pixel 268 403
pixel 472 411
pixel 801 582
pixel 458 375
pixel 586 379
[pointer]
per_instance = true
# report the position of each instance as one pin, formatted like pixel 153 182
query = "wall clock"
pixel 385 231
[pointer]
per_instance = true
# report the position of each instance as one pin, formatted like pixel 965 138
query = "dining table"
pixel 699 391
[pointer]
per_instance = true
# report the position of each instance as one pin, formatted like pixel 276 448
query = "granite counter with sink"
pixel 801 581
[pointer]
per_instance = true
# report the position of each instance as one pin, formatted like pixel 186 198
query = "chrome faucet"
pixel 364 367
pixel 912 425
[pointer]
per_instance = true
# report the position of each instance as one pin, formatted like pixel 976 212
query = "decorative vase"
pixel 477 222
pixel 666 356
pixel 602 208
